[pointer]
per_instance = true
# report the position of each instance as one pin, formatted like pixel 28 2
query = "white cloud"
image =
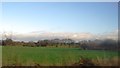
pixel 111 35
pixel 35 36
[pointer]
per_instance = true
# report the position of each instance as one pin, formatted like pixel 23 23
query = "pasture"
pixel 46 56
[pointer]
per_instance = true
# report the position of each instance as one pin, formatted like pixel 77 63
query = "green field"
pixel 29 56
pixel 0 56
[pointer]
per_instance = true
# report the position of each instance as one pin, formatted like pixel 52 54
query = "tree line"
pixel 107 44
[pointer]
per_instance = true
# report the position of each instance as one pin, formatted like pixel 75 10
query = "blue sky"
pixel 59 0
pixel 93 17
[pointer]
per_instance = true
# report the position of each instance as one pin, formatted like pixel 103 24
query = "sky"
pixel 59 0
pixel 60 17
pixel 69 17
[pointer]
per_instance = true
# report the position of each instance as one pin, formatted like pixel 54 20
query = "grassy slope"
pixel 49 56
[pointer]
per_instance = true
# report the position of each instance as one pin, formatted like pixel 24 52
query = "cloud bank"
pixel 35 36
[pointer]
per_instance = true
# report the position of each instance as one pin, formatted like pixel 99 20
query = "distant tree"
pixel 7 39
pixel 31 43
pixel 42 43
pixel 109 44
pixel 7 42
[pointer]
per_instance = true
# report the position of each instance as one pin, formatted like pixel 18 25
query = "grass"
pixel 45 56
pixel 0 56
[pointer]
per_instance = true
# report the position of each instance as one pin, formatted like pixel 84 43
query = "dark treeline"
pixel 107 44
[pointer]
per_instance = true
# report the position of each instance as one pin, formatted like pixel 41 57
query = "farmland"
pixel 46 56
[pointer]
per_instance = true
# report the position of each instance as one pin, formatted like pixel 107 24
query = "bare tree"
pixel 7 38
